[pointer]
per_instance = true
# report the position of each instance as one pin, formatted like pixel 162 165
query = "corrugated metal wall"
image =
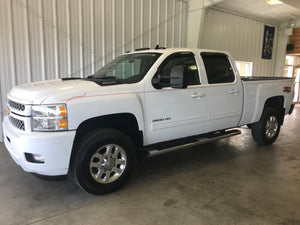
pixel 241 36
pixel 48 39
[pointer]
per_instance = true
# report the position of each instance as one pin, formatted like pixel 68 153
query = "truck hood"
pixel 39 92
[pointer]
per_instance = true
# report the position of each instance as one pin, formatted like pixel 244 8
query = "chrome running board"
pixel 197 141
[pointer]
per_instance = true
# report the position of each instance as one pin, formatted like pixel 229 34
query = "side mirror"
pixel 177 77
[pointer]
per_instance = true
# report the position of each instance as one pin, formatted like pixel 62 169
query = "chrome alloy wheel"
pixel 271 127
pixel 108 163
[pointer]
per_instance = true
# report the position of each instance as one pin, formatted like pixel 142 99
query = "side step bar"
pixel 197 141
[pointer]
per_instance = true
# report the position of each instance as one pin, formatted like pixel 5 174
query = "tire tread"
pixel 258 129
pixel 85 147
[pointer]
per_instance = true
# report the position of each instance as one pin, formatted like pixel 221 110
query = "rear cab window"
pixel 218 68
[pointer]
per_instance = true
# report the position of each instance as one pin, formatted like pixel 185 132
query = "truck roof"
pixel 173 50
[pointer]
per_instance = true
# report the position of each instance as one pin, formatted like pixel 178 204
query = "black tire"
pixel 102 178
pixel 267 129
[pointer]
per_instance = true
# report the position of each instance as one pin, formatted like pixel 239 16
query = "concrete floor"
pixel 232 181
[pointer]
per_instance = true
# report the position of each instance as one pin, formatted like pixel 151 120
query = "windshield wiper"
pixel 71 78
pixel 108 80
pixel 102 78
pixel 91 77
pixel 105 80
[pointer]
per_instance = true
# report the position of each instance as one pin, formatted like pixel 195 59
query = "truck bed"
pixel 256 92
pixel 256 78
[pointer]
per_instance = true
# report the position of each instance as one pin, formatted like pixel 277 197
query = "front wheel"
pixel 266 130
pixel 104 161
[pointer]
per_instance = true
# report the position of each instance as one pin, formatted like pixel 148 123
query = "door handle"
pixel 233 91
pixel 197 95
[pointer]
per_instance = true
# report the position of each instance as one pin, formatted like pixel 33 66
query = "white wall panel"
pixel 241 36
pixel 48 39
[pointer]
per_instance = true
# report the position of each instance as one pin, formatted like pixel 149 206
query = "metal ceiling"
pixel 277 14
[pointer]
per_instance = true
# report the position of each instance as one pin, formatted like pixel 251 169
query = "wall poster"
pixel 268 42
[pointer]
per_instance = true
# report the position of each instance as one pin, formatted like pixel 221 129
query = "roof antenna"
pixel 158 47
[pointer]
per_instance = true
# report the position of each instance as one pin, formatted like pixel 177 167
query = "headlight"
pixel 49 117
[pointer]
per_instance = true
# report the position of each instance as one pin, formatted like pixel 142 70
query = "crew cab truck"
pixel 150 101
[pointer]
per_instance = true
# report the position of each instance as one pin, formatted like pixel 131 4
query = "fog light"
pixel 34 158
pixel 38 158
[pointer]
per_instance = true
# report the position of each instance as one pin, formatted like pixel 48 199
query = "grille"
pixel 17 123
pixel 15 105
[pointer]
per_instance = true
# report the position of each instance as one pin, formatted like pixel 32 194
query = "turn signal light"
pixel 63 111
pixel 63 124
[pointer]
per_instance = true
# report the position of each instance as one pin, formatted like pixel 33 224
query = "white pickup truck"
pixel 150 101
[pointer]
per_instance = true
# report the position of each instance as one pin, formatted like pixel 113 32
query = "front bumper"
pixel 55 147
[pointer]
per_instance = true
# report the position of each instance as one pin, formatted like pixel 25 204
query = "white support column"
pixel 196 12
pixel 282 40
pixel 1 116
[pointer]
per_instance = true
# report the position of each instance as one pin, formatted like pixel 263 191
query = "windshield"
pixel 125 69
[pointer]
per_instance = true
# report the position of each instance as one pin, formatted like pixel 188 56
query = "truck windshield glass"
pixel 126 69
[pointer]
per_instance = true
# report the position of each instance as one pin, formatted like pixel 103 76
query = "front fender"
pixel 90 106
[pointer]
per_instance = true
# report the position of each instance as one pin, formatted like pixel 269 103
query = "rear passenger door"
pixel 224 91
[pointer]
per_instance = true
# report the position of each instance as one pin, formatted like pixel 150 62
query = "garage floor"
pixel 232 181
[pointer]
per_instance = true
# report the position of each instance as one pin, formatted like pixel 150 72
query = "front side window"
pixel 186 60
pixel 125 69
pixel 218 68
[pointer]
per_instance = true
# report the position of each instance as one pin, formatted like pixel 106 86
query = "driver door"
pixel 173 113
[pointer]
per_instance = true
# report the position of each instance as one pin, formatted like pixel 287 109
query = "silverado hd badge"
pixel 162 119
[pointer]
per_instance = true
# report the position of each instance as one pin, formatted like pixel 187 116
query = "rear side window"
pixel 218 68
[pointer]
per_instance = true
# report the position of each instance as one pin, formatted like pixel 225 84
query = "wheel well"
pixel 124 122
pixel 277 102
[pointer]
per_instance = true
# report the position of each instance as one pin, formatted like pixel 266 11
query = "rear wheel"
pixel 266 130
pixel 104 161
